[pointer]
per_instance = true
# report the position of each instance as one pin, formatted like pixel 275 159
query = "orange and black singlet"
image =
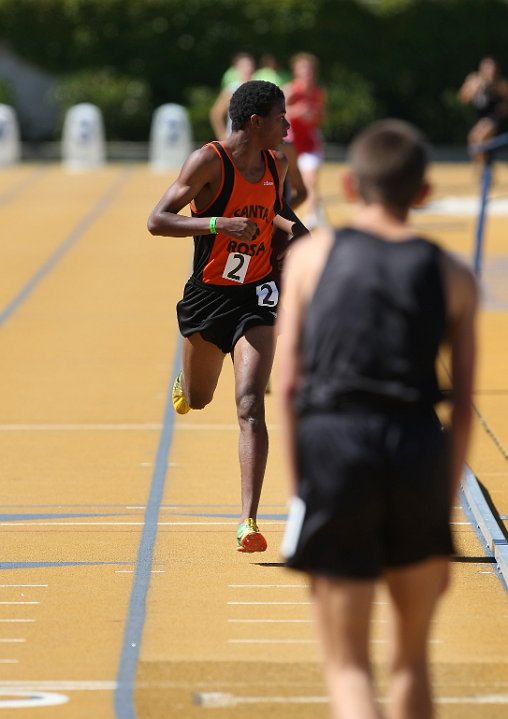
pixel 223 260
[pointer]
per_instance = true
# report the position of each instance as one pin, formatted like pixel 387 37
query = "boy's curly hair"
pixel 255 97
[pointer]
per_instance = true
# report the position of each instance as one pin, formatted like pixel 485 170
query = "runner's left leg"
pixel 253 358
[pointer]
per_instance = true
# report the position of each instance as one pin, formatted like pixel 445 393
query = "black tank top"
pixel 486 101
pixel 374 325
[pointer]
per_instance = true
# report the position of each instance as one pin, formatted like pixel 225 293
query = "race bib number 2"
pixel 268 294
pixel 236 267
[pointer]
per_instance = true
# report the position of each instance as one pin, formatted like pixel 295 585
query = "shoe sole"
pixel 177 397
pixel 180 405
pixel 253 542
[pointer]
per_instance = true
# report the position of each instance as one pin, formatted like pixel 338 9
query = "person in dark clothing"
pixel 486 90
pixel 365 310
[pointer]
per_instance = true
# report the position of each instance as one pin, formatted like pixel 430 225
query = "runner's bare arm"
pixel 301 274
pixel 288 221
pixel 218 113
pixel 298 190
pixel 199 176
pixel 469 87
pixel 289 321
pixel 462 294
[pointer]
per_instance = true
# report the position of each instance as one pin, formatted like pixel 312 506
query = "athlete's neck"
pixel 246 153
pixel 382 220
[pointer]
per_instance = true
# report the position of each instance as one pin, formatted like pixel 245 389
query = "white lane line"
pixel 14 621
pixel 270 621
pixel 59 685
pixel 385 641
pixel 269 586
pixel 9 661
pixel 266 603
pixel 211 700
pixel 29 700
pixel 305 641
pixel 12 641
pixel 216 427
pixel 23 585
pixel 121 427
pixel 272 641
pixel 34 525
pixel 10 603
pixel 131 571
pixel 150 426
pixel 289 621
pixel 485 699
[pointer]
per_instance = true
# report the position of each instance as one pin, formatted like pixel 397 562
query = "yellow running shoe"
pixel 179 402
pixel 249 537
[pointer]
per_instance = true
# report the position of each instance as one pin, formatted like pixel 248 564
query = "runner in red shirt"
pixel 305 104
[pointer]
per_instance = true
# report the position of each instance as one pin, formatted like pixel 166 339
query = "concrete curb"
pixel 487 525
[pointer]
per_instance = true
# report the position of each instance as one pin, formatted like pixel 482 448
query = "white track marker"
pixel 268 586
pixel 214 700
pixel 270 621
pixel 57 685
pixel 12 641
pixel 135 427
pixel 152 427
pixel 13 699
pixel 131 571
pixel 305 641
pixel 11 603
pixel 267 603
pixel 37 523
pixel 272 641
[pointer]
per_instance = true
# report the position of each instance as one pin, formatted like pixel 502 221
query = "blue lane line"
pixel 37 565
pixel 62 249
pixel 32 517
pixel 21 186
pixel 124 695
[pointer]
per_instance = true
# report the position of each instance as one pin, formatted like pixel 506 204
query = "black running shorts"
pixel 374 493
pixel 223 315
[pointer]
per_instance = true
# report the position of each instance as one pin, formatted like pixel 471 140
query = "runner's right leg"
pixel 201 367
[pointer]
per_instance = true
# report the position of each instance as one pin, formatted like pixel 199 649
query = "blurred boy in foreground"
pixel 365 310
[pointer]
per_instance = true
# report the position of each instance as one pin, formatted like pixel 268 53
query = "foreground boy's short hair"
pixel 389 160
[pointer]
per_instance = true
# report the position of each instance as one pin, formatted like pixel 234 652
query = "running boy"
pixel 229 305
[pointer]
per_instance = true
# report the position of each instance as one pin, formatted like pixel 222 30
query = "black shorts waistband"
pixel 237 290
